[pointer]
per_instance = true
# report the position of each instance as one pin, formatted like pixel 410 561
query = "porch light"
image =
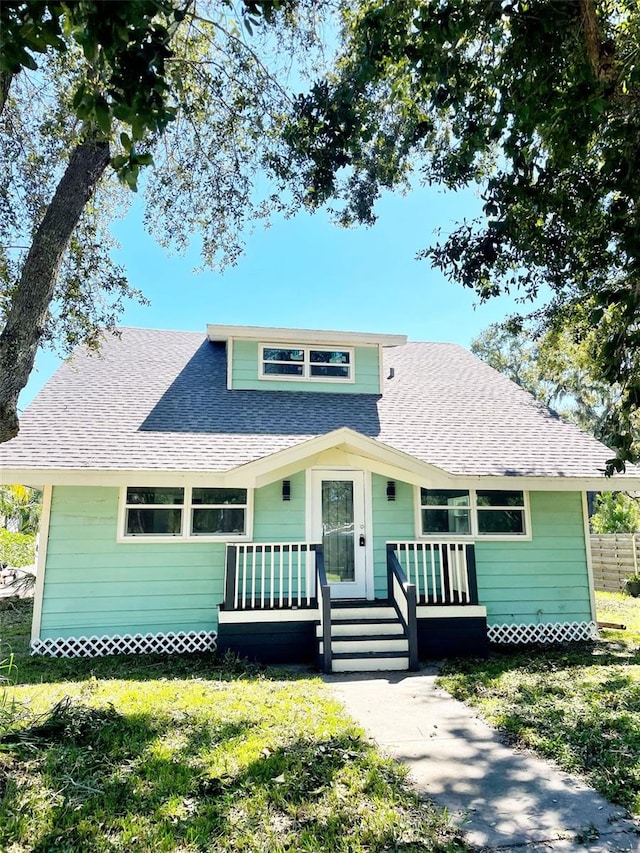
pixel 286 490
pixel 391 490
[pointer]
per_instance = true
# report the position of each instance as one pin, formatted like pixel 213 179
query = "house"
pixel 301 495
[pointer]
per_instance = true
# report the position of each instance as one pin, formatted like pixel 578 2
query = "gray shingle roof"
pixel 157 400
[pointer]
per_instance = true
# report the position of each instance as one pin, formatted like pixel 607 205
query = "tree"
pixel 93 90
pixel 615 512
pixel 20 508
pixel 536 102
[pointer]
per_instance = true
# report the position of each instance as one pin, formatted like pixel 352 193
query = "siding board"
pixel 543 580
pixel 95 585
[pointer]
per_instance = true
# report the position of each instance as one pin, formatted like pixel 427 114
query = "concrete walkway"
pixel 502 799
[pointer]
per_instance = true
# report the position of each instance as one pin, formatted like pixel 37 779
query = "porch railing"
pixel 324 606
pixel 270 575
pixel 402 595
pixel 442 572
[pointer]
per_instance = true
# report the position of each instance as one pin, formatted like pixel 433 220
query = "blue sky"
pixel 306 272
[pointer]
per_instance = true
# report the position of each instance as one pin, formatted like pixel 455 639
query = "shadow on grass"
pixel 576 704
pixel 537 658
pixel 93 780
pixel 81 774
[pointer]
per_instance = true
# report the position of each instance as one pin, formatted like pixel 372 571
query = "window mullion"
pixel 474 512
pixel 186 512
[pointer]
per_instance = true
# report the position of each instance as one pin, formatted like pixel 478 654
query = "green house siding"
pixel 392 520
pixel 544 580
pixel 275 520
pixel 245 373
pixel 95 585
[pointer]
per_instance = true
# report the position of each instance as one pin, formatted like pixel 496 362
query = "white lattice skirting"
pixel 126 644
pixel 557 632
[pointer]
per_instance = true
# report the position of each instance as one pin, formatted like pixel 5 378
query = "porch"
pixel 280 606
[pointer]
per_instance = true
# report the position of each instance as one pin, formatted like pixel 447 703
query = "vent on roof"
pixel 392 373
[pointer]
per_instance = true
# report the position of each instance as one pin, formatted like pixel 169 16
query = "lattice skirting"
pixel 126 644
pixel 557 632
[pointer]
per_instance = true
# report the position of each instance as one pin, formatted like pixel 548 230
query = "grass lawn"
pixel 185 753
pixel 578 704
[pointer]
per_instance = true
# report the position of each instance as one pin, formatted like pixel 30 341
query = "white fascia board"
pixel 120 477
pixel 553 484
pixel 349 441
pixel 303 336
pixel 358 451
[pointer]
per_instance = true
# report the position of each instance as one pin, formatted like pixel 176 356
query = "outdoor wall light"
pixel 391 490
pixel 286 490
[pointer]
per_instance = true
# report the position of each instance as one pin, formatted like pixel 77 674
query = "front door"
pixel 339 523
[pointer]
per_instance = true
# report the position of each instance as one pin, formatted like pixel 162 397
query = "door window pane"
pixel 338 530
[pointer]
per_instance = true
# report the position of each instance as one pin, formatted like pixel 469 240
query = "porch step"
pixel 366 637
pixel 371 611
pixel 379 662
pixel 364 627
pixel 358 644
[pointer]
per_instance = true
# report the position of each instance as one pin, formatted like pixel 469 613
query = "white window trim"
pixel 185 535
pixel 306 364
pixel 475 535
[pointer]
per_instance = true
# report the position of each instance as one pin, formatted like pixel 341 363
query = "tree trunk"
pixel 30 303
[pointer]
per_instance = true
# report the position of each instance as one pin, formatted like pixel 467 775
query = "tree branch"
pixel 600 53
pixel 30 303
pixel 5 84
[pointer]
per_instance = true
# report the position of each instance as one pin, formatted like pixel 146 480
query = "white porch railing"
pixel 442 572
pixel 261 575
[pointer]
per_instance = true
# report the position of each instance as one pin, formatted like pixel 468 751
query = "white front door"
pixel 339 523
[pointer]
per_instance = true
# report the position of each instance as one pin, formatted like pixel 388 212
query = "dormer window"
pixel 310 363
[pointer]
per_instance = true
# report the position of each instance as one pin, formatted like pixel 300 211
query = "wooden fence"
pixel 614 556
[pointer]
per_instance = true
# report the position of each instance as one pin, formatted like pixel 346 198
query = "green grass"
pixel 187 753
pixel 578 704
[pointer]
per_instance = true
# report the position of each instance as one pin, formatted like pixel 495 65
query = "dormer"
pixel 265 359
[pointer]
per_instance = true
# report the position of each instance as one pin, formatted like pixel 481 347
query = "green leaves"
pixel 523 99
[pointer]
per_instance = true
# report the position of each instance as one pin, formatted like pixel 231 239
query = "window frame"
pixel 187 506
pixel 474 534
pixel 306 363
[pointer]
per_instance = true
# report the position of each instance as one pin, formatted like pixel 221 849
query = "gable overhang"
pixel 347 448
pixel 342 447
pixel 222 334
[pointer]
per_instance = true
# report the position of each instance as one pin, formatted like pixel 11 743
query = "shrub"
pixel 17 549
